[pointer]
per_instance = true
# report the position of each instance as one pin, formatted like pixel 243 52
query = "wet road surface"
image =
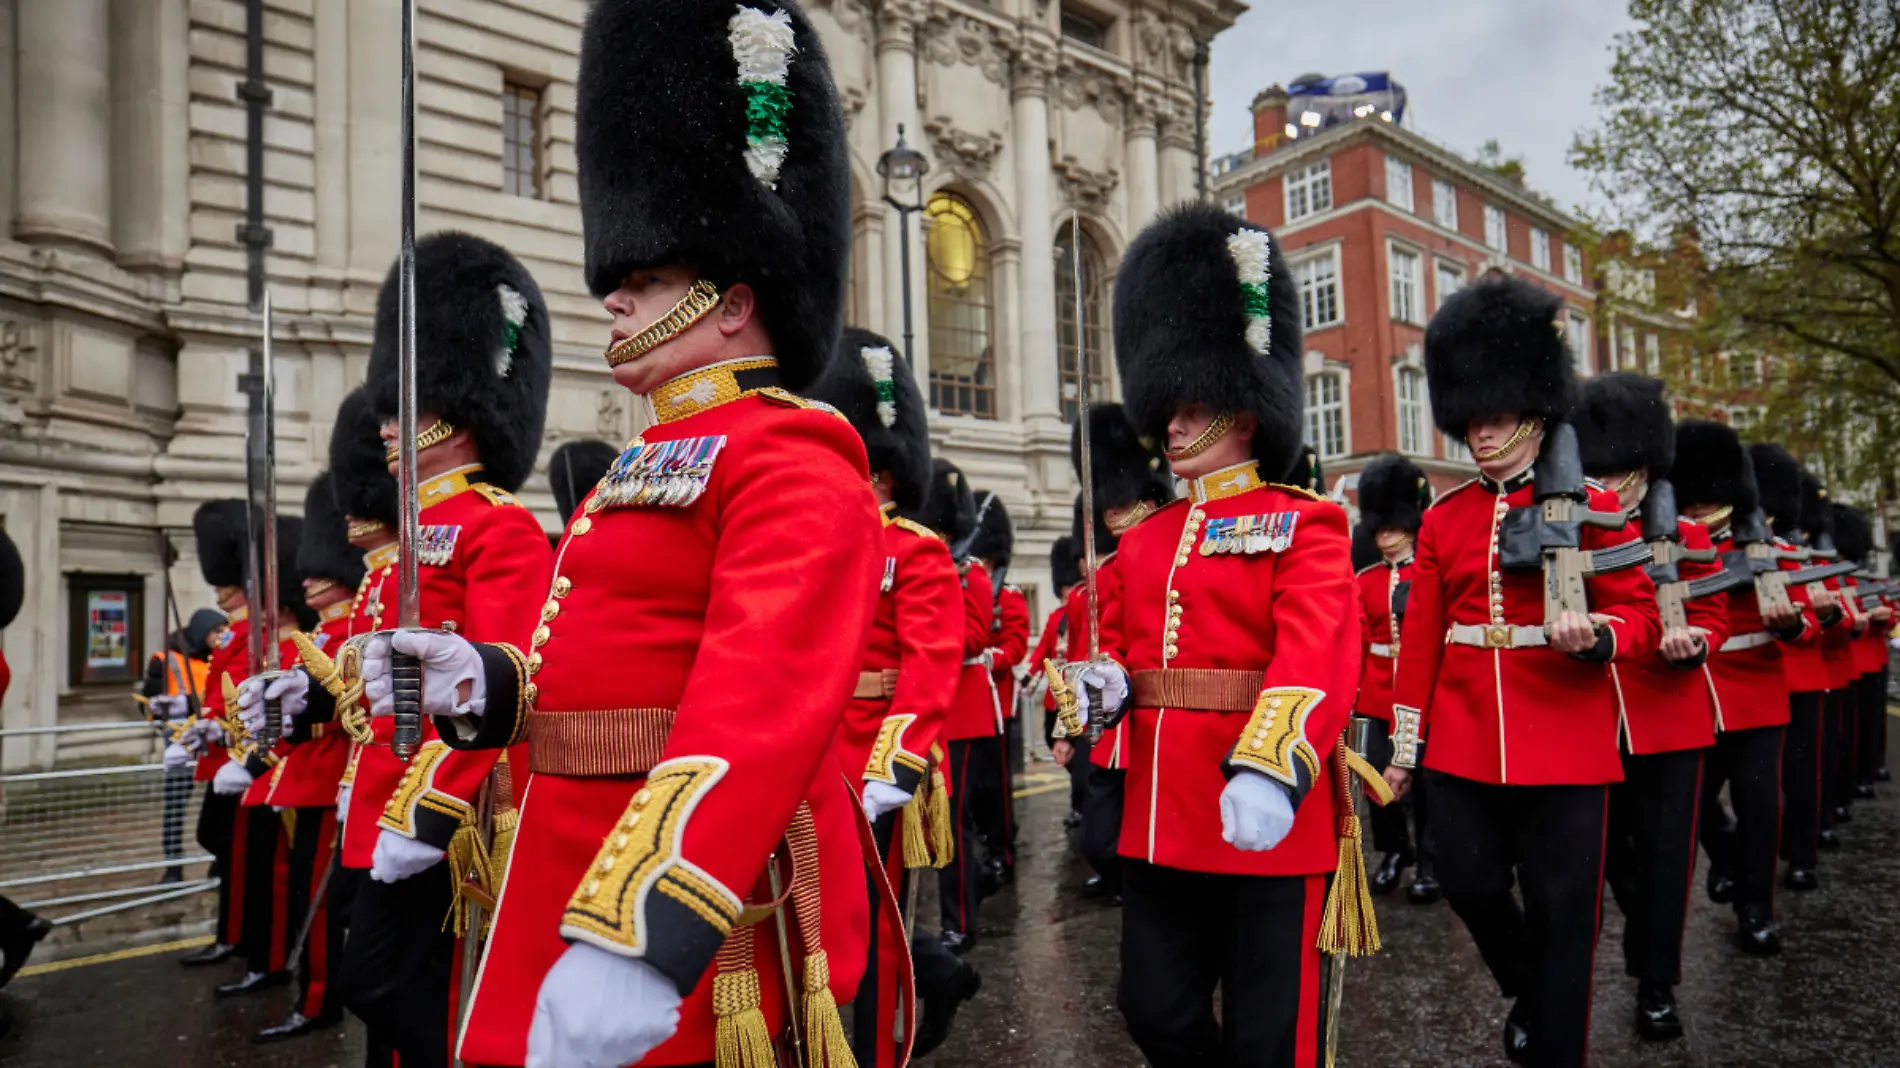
pixel 1048 960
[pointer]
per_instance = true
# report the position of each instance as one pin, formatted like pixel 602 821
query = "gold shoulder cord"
pixel 700 298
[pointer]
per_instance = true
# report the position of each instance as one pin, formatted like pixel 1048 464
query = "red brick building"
pixel 1380 224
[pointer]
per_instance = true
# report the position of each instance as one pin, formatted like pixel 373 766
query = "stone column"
pixel 1029 100
pixel 1140 161
pixel 897 23
pixel 65 179
pixel 151 135
pixel 1176 164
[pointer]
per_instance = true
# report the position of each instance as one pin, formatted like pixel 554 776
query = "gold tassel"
pixel 825 1043
pixel 740 1037
pixel 916 842
pixel 1349 924
pixel 466 855
pixel 943 843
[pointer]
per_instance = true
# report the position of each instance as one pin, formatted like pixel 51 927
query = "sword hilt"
pixel 405 677
pixel 272 731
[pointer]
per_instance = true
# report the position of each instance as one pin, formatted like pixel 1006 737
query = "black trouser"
pixel 312 854
pixel 1078 770
pixel 1650 859
pixel 1389 831
pixel 399 966
pixel 177 798
pixel 957 884
pixel 14 920
pixel 1184 933
pixel 1870 754
pixel 1801 779
pixel 1102 821
pixel 213 834
pixel 262 938
pixel 1549 839
pixel 990 806
pixel 870 1025
pixel 1835 741
pixel 1749 762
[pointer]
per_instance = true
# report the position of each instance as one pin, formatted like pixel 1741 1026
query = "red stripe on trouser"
pixel 316 953
pixel 892 958
pixel 1695 820
pixel 1308 1043
pixel 1603 849
pixel 234 876
pixel 280 899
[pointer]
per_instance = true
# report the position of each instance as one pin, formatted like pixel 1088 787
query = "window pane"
pixel 1309 190
pixel 1450 280
pixel 1095 326
pixel 1445 203
pixel 1411 413
pixel 1494 227
pixel 962 360
pixel 521 141
pixel 1319 292
pixel 1398 182
pixel 1573 264
pixel 1325 415
pixel 1078 27
pixel 1540 250
pixel 1404 286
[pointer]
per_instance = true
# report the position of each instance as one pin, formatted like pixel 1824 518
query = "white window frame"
pixel 1751 380
pixel 1573 264
pixel 1455 450
pixel 1421 410
pixel 1330 252
pixel 1405 307
pixel 1398 182
pixel 1652 353
pixel 1442 267
pixel 1625 349
pixel 1445 204
pixel 1309 181
pixel 1540 248
pixel 1577 332
pixel 1496 217
pixel 1236 203
pixel 1316 413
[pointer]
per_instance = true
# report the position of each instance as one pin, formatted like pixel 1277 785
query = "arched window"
pixel 962 349
pixel 1326 414
pixel 1413 439
pixel 1094 329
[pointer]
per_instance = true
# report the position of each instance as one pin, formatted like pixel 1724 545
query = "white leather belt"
pixel 1382 649
pixel 1498 636
pixel 1746 641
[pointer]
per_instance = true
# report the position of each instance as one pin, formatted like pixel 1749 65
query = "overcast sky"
pixel 1522 71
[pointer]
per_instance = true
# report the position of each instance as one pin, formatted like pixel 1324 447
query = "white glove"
pixel 448 661
pixel 1255 812
pixel 1101 688
pixel 177 756
pixel 343 806
pixel 291 690
pixel 397 858
pixel 231 779
pixel 208 732
pixel 882 797
pixel 170 706
pixel 600 1010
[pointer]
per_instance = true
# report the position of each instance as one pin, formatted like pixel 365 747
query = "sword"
pixel 310 917
pixel 1358 730
pixel 405 671
pixel 1088 465
pixel 261 483
pixel 785 958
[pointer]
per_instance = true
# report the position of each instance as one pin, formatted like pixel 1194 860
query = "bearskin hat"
pixel 872 385
pixel 12 580
pixel 1853 537
pixel 727 156
pixel 326 551
pixel 1065 567
pixel 359 473
pixel 1495 347
pixel 573 471
pixel 1125 468
pixel 1712 467
pixel 1365 546
pixel 290 575
pixel 994 537
pixel 220 528
pixel 483 356
pixel 1206 312
pixel 1393 492
pixel 1106 540
pixel 1778 480
pixel 1817 516
pixel 1623 424
pixel 949 508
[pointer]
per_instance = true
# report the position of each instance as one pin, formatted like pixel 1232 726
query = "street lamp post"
pixel 902 169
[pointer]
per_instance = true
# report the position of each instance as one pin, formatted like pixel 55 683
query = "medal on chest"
pixel 436 545
pixel 667 474
pixel 1245 535
pixel 890 575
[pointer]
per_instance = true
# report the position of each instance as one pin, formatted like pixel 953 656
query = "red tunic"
pixel 1051 644
pixel 1806 662
pixel 1870 649
pixel 1665 709
pixel 1009 638
pixel 744 609
pixel 490 575
pixel 308 774
pixel 1107 752
pixel 258 793
pixel 1378 583
pixel 976 711
pixel 1751 684
pixel 917 632
pixel 1837 645
pixel 1187 603
pixel 233 651
pixel 1518 716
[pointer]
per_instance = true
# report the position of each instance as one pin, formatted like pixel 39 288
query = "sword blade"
pixel 1082 419
pixel 409 603
pixel 267 479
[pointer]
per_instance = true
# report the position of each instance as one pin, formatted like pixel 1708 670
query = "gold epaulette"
pixel 494 494
pixel 787 399
pixel 1441 497
pixel 1298 491
pixel 916 528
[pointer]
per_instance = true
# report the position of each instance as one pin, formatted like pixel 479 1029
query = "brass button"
pixel 541 635
pixel 563 585
pixel 593 888
pixel 549 611
pixel 640 799
pixel 533 693
pixel 1173 596
pixel 581 526
pixel 534 663
pixel 1172 651
pixel 606 863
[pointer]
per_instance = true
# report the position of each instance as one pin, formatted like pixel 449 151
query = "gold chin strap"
pixel 701 298
pixel 319 586
pixel 437 433
pixel 363 528
pixel 1525 428
pixel 1215 431
pixel 1141 511
pixel 1628 481
pixel 1715 519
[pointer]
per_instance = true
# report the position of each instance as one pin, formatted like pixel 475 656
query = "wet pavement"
pixel 1048 960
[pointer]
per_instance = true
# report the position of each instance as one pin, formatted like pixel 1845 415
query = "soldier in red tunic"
pixel 1866 702
pixel 1393 495
pixel 908 669
pixel 992 806
pixel 709 612
pixel 1627 440
pixel 1238 629
pixel 1517 718
pixel 483 370
pixel 1052 645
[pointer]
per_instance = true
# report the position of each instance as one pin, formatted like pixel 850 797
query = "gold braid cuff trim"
pixel 1349 926
pixel 888 751
pixel 1405 723
pixel 642 855
pixel 1276 735
pixel 416 792
pixel 740 1036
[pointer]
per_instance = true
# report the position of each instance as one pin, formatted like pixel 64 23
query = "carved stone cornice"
pixel 1033 63
pixel 897 23
pixel 1079 86
pixel 951 38
pixel 1162 48
pixel 967 154
pixel 1085 189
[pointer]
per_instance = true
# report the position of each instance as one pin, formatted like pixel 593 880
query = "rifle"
pixel 1548 535
pixel 1662 532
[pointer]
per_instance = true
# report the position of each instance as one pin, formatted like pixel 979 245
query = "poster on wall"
pixel 106 636
pixel 108 640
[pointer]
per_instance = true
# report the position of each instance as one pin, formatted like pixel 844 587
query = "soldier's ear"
pixel 1245 425
pixel 737 305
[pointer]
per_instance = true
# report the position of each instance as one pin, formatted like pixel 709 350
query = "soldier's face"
pixel 230 599
pixel 1392 540
pixel 322 599
pixel 1233 447
pixel 642 300
pixel 1485 436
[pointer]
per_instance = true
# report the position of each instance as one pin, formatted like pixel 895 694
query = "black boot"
pixel 940 1007
pixel 1656 1018
pixel 20 946
pixel 1756 932
pixel 1721 886
pixel 215 953
pixel 1072 820
pixel 1865 791
pixel 1829 840
pixel 1801 880
pixel 1517 1032
pixel 1424 889
pixel 959 942
pixel 294 1025
pixel 1881 774
pixel 1386 879
pixel 251 982
pixel 1841 815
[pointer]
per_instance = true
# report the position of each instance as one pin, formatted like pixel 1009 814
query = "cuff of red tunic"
pixel 641 898
pixel 419 809
pixel 503 720
pixel 890 762
pixel 1405 740
pixel 1274 742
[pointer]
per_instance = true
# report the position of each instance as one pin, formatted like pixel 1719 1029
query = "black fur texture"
pixel 1180 333
pixel 902 448
pixel 660 139
pixel 1853 537
pixel 325 551
pixel 1393 493
pixel 464 371
pixel 12 581
pixel 1624 424
pixel 360 476
pixel 1494 348
pixel 1817 513
pixel 290 575
pixel 1105 540
pixel 949 508
pixel 1365 547
pixel 573 471
pixel 1065 569
pixel 219 529
pixel 1126 469
pixel 1713 467
pixel 1778 478
pixel 995 538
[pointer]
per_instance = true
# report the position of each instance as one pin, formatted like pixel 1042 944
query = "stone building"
pixel 124 318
